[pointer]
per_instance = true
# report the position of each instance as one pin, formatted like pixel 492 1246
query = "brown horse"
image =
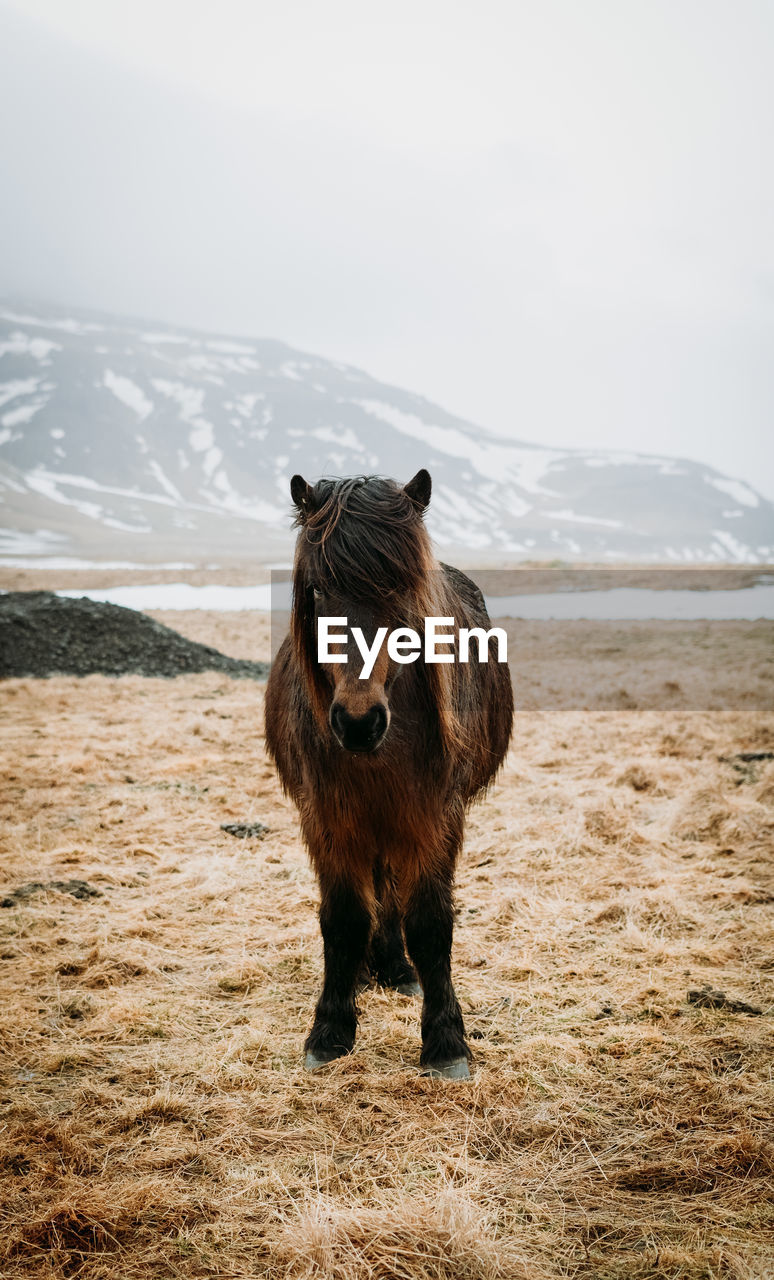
pixel 382 768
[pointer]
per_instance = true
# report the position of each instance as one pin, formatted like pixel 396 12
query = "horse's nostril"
pixel 359 733
pixel 377 717
pixel 338 719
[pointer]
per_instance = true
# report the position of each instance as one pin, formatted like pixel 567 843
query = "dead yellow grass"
pixel 156 1121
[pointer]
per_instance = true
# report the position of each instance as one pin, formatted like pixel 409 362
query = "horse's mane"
pixel 365 537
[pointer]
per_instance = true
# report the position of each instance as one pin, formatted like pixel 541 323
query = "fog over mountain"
pixel 553 219
pixel 121 437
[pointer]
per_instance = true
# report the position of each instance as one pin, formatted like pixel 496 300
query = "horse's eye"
pixel 318 595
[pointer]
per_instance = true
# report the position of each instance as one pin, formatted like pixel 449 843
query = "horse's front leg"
pixel 346 918
pixel 429 925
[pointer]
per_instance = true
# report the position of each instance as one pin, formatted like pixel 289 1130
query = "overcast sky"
pixel 554 217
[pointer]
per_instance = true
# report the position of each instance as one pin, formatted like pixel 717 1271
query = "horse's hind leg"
pixel 388 963
pixel 429 925
pixel 345 922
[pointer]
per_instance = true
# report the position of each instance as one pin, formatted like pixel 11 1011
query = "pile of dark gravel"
pixel 45 635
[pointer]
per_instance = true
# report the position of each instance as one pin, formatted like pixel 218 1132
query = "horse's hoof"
pixel 457 1070
pixel 409 989
pixel 313 1061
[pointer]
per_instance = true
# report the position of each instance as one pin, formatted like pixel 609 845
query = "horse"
pixel 382 769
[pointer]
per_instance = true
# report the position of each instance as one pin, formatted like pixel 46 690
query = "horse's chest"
pixel 373 803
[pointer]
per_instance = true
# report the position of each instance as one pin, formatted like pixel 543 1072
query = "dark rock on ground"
pixel 80 889
pixel 708 998
pixel 42 634
pixel 245 830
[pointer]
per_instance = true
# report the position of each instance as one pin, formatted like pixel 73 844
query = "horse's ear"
pixel 420 488
pixel 301 493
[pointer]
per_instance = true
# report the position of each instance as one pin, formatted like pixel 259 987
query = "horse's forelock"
pixel 365 537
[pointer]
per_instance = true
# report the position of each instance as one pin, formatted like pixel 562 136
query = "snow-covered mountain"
pixel 120 437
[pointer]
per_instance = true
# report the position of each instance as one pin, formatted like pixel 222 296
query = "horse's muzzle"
pixel 359 733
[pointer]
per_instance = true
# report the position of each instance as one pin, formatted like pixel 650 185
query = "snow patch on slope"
pixel 201 437
pixel 342 436
pixel 68 325
pixel 736 489
pixel 735 549
pixel 45 484
pixel 128 393
pixel 576 519
pixel 24 413
pixel 21 344
pixel 17 387
pixel 164 481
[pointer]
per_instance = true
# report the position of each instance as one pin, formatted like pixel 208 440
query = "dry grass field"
pixel 154 1117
